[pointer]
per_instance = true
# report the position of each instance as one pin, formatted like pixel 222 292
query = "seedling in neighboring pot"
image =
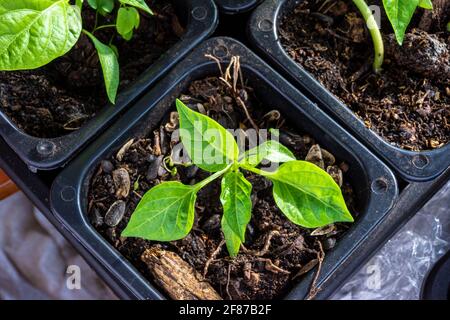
pixel 399 12
pixel 35 32
pixel 306 194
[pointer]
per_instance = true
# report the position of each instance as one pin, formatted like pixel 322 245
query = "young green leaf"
pixel 127 20
pixel 35 32
pixel 110 66
pixel 210 146
pixel 307 195
pixel 102 6
pixel 93 4
pixel 377 38
pixel 426 4
pixel 270 150
pixel 140 4
pixel 237 208
pixel 115 49
pixel 232 240
pixel 79 3
pixel 400 13
pixel 165 213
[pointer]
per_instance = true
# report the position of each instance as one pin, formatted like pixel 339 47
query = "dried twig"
pixel 228 283
pixel 177 277
pixel 219 65
pixel 213 256
pixel 230 79
pixel 247 114
pixel 266 246
pixel 270 266
pixel 313 291
pixel 157 146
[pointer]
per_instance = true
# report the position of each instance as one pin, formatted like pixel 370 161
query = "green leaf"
pixel 140 4
pixel 210 146
pixel 270 150
pixel 102 6
pixel 128 36
pixel 426 4
pixel 115 49
pixel 79 3
pixel 307 195
pixel 237 209
pixel 400 13
pixel 35 32
pixel 93 4
pixel 232 240
pixel 110 66
pixel 127 20
pixel 165 213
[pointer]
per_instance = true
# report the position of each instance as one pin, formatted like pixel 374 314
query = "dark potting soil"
pixel 277 253
pixel 408 103
pixel 59 98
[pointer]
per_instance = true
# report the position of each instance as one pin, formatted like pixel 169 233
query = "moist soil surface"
pixel 59 98
pixel 277 253
pixel 408 103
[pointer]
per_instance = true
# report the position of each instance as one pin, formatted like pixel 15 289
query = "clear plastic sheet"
pixel 398 270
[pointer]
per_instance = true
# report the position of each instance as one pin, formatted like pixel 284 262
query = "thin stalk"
pixel 213 177
pixel 103 27
pixel 256 170
pixel 374 32
pixel 96 20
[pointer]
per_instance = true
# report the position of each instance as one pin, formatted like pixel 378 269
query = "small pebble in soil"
pixel 107 166
pixel 336 174
pixel 115 213
pixel 152 171
pixel 96 218
pixel 150 158
pixel 122 182
pixel 328 158
pixel 124 149
pixel 328 243
pixel 173 122
pixel 315 156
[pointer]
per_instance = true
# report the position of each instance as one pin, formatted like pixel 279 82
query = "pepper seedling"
pixel 35 32
pixel 399 13
pixel 306 194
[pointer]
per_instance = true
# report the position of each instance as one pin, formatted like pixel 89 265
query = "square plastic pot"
pixel 263 33
pixel 200 18
pixel 374 184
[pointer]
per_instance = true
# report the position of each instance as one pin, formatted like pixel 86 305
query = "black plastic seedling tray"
pixel 236 6
pixel 375 185
pixel 200 18
pixel 262 29
pixel 412 196
pixel 437 282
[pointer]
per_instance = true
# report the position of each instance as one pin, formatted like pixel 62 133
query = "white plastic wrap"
pixel 34 258
pixel 399 268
